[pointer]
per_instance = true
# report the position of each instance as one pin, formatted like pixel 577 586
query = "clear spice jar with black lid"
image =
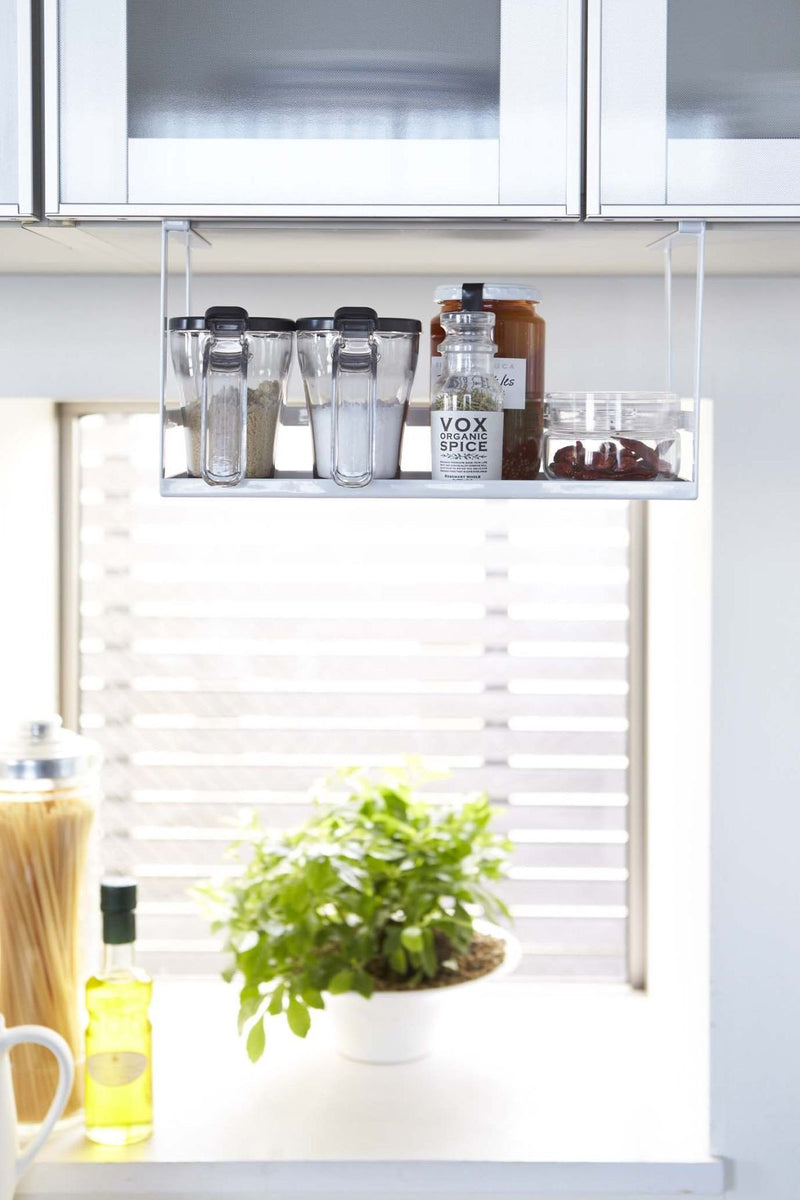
pixel 519 334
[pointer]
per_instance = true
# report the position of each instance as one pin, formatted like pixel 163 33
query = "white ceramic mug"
pixel 13 1164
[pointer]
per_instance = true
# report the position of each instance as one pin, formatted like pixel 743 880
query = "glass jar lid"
pixel 42 749
pixel 612 412
pixel 491 291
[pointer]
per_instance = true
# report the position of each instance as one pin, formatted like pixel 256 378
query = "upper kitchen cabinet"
pixel 374 108
pixel 693 108
pixel 16 110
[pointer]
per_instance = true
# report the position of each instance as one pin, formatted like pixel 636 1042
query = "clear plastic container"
pixel 357 371
pixel 612 435
pixel 48 795
pixel 233 371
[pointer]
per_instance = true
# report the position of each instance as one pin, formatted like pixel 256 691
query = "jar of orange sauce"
pixel 519 364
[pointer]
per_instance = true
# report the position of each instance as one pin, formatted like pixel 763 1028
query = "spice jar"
pixel 357 371
pixel 48 788
pixel 233 371
pixel 519 366
pixel 467 407
pixel 612 435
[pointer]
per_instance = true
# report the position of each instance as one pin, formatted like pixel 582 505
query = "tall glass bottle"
pixel 118 1091
pixel 467 406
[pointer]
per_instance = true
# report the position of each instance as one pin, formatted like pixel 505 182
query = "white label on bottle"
pixel 509 373
pixel 116 1068
pixel 467 446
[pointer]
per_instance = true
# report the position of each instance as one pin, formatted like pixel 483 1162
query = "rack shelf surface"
pixel 426 489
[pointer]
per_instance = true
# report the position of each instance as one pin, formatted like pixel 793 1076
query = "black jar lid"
pixel 118 906
pixel 236 316
pixel 352 318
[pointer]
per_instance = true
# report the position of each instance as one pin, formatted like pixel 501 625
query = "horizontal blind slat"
pixel 198 703
pixel 128 813
pixel 248 746
pixel 269 634
pixel 497 780
pixel 481 665
pixel 102 586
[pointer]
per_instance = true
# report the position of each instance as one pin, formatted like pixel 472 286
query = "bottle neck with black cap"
pixel 468 349
pixel 118 906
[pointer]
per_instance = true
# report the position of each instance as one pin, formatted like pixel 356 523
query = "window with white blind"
pixel 226 654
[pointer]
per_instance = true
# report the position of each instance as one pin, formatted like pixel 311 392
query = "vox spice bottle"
pixel 519 366
pixel 467 406
pixel 48 793
pixel 119 1093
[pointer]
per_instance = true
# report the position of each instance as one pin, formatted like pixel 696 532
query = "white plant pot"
pixel 398 1027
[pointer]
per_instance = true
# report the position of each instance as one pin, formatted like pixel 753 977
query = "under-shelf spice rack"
pixel 416 484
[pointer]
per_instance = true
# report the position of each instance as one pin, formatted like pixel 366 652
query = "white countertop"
pixel 532 1090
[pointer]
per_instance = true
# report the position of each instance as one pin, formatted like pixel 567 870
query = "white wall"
pixel 100 333
pixel 28 560
pixel 754 371
pixel 96 337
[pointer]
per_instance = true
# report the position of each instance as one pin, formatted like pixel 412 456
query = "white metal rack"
pixel 416 485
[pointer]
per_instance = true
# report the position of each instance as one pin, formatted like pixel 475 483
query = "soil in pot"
pixel 484 955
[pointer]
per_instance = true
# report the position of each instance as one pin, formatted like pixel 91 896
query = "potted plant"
pixel 369 910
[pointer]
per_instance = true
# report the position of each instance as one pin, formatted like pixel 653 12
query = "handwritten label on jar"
pixel 116 1068
pixel 466 446
pixel 509 373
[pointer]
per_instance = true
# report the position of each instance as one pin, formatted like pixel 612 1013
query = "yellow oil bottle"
pixel 119 1078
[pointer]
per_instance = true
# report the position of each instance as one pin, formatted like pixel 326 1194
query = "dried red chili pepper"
pixel 644 453
pixel 628 460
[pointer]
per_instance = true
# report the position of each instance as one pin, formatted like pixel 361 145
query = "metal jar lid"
pixel 42 749
pixel 491 291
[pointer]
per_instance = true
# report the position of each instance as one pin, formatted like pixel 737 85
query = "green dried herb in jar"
pixel 466 400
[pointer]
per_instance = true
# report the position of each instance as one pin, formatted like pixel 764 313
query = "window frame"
pixel 70 412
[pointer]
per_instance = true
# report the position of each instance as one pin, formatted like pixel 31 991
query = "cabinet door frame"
pixel 626 130
pixel 531 62
pixel 24 205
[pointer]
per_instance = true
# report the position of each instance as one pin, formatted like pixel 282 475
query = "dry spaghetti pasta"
pixel 43 846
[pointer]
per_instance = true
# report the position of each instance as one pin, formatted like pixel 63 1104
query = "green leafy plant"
pixel 382 885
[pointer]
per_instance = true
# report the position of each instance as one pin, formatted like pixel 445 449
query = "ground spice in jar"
pixel 519 334
pixel 263 410
pixel 388 437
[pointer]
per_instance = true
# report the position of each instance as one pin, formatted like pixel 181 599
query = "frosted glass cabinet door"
pixel 16 109
pixel 263 107
pixel 693 108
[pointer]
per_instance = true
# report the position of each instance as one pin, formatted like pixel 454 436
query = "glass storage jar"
pixel 612 435
pixel 519 335
pixel 467 407
pixel 48 792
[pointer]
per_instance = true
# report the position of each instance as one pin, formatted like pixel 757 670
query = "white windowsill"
pixel 532 1090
